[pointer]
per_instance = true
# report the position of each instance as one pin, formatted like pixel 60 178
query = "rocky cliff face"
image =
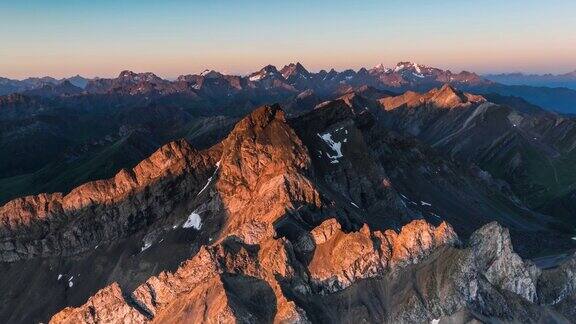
pixel 284 221
pixel 102 211
pixel 340 259
pixel 221 280
pixel 449 282
pixel 446 97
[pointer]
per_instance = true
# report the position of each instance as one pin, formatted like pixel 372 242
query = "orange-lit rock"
pixel 445 97
pixel 341 258
pixel 106 306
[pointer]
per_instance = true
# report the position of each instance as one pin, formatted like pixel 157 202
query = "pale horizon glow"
pixel 62 38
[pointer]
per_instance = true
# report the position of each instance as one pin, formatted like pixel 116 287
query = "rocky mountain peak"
pixel 380 67
pixel 448 97
pixel 127 74
pixel 445 97
pixel 211 74
pixel 64 88
pixel 259 119
pixel 295 70
pixel 269 71
pixel 138 77
pixel 447 92
pixel 401 66
pixel 262 157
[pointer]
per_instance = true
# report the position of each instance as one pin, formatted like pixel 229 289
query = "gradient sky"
pixel 101 38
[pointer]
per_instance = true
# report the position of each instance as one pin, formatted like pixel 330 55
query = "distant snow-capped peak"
pixel 401 66
pixel 267 71
pixel 382 67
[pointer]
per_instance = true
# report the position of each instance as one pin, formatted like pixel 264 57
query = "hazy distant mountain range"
pixel 8 86
pixel 539 90
pixel 567 80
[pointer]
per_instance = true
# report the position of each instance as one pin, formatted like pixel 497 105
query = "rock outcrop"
pixel 263 175
pixel 213 286
pixel 445 97
pixel 448 283
pixel 341 258
pixel 111 306
pixel 105 210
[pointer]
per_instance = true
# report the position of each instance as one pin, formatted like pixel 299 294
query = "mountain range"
pixel 8 86
pixel 405 194
pixel 539 90
pixel 567 80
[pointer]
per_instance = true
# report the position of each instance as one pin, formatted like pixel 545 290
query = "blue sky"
pixel 100 38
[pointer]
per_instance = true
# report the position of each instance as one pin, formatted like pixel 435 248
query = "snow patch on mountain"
pixel 145 246
pixel 417 68
pixel 399 67
pixel 256 77
pixel 193 220
pixel 335 146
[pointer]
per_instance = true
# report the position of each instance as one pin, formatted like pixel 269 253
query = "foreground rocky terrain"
pixel 325 217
